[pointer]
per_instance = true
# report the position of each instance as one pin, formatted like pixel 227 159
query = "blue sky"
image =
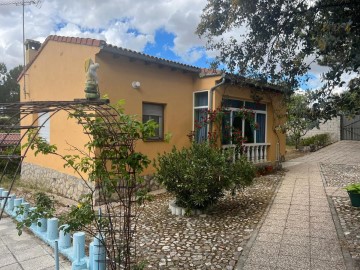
pixel 162 28
pixel 162 47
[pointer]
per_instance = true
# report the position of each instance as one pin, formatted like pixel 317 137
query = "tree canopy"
pixel 277 41
pixel 9 88
pixel 299 122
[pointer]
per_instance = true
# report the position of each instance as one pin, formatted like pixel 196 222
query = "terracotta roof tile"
pixel 96 42
pixel 103 44
pixel 208 72
pixel 9 138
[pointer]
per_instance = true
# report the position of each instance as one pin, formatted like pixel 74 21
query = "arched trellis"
pixel 118 234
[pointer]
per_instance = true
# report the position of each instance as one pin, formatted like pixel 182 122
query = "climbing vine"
pixel 219 132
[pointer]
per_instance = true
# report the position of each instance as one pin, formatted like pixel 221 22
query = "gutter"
pixel 212 90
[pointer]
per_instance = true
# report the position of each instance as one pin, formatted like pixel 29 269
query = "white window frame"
pixel 44 124
pixel 200 107
pixel 161 121
pixel 232 110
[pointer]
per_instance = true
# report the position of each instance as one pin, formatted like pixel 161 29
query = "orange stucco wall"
pixel 161 85
pixel 58 74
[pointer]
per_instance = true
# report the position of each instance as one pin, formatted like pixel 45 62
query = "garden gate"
pixel 350 128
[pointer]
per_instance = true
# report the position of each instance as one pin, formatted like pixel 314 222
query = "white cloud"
pixel 125 23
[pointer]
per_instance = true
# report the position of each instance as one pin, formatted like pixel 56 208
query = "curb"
pixel 349 262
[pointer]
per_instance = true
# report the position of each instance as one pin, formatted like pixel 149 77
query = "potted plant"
pixel 354 193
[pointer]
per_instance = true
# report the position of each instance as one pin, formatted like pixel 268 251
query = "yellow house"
pixel 173 94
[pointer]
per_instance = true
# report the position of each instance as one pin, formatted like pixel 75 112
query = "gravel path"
pixel 210 241
pixel 340 175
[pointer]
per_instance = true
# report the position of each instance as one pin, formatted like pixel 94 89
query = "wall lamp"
pixel 135 84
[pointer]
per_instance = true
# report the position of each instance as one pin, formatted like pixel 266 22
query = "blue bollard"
pixel 1 191
pixel 10 204
pixel 64 238
pixel 91 256
pixel 34 224
pixel 99 254
pixel 52 228
pixel 79 251
pixel 17 203
pixel 26 210
pixel 42 227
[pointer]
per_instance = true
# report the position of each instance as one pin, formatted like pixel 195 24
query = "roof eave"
pixel 135 55
pixel 254 83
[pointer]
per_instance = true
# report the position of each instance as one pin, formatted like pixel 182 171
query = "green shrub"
pixel 10 164
pixel 319 140
pixel 199 175
pixel 45 208
pixel 307 141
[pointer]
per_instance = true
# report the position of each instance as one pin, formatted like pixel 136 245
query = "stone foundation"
pixel 64 184
pixel 150 183
pixel 59 183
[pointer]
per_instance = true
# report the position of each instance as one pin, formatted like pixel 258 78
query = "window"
pixel 44 123
pixel 201 105
pixel 154 112
pixel 231 121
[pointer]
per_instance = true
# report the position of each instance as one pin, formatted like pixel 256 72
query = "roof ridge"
pixel 76 40
pixel 73 40
pixel 103 44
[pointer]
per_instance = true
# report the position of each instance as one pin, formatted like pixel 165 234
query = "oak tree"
pixel 278 41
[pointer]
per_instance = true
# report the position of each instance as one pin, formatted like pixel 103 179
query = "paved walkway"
pixel 24 252
pixel 299 231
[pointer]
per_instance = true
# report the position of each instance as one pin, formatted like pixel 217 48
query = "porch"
pixel 254 152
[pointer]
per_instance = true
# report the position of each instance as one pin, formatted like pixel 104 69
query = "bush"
pixel 11 164
pixel 45 208
pixel 319 140
pixel 264 169
pixel 198 176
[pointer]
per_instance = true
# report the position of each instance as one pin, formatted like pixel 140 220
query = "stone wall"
pixel 59 183
pixel 151 184
pixel 331 127
pixel 64 184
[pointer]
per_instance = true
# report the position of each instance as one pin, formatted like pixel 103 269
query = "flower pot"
pixel 355 199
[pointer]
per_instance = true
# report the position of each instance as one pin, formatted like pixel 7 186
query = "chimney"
pixel 31 48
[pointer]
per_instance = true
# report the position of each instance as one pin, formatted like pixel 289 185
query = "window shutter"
pixel 153 109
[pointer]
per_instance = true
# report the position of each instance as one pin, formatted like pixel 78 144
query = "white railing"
pixel 254 152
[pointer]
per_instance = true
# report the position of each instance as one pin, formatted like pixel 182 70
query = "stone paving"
pixel 24 252
pixel 213 240
pixel 342 152
pixel 299 231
